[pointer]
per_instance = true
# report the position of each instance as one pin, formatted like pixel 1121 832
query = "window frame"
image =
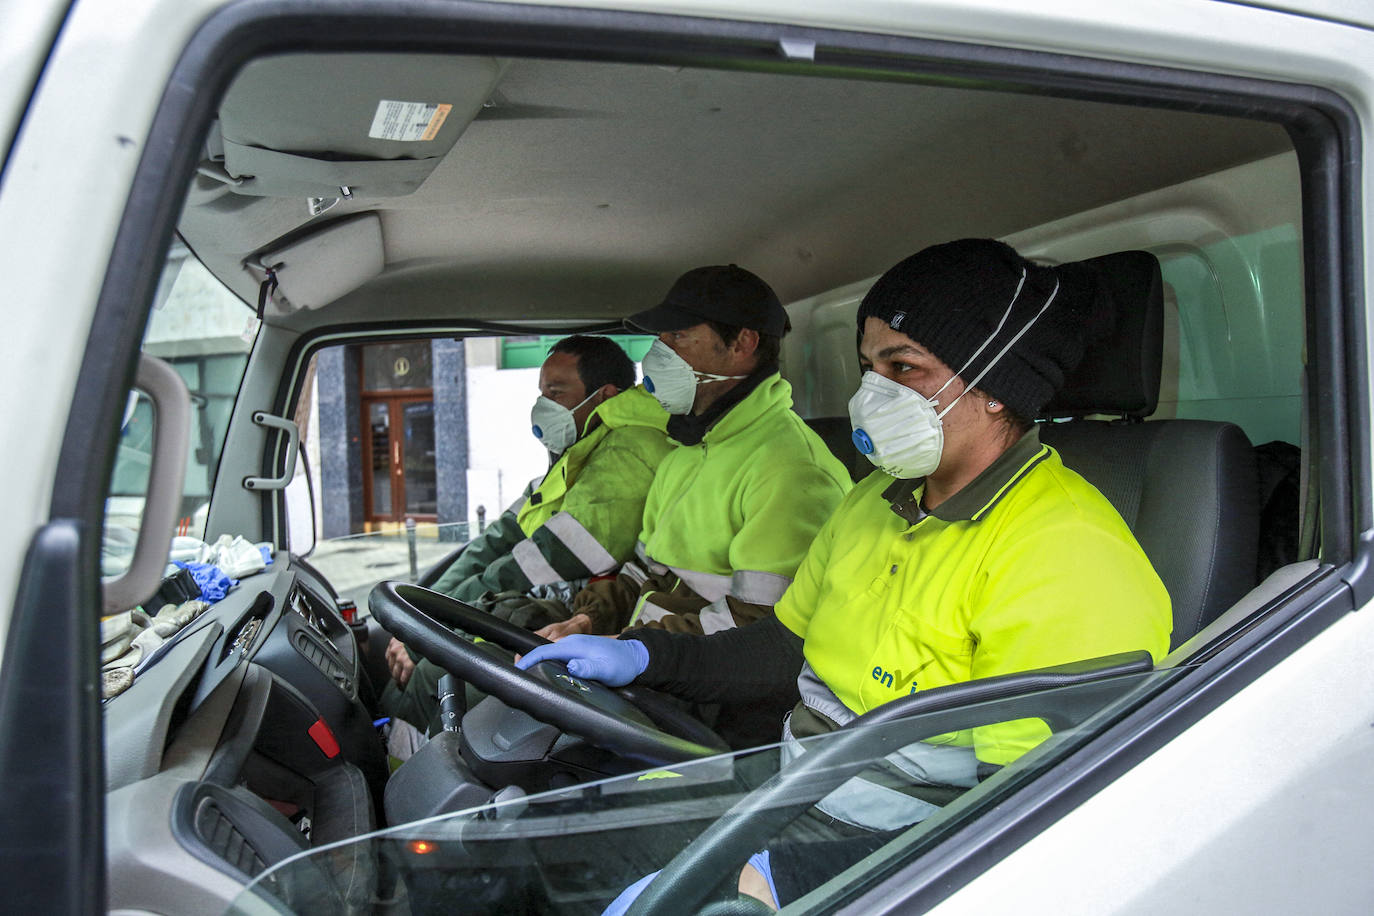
pixel 1324 129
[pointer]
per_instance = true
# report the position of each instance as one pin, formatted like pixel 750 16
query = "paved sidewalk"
pixel 353 565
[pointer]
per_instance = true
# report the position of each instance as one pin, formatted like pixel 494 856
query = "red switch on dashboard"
pixel 324 738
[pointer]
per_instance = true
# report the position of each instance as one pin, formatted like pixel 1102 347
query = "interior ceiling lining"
pixel 589 186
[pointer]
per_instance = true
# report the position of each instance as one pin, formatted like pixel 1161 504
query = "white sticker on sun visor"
pixel 408 121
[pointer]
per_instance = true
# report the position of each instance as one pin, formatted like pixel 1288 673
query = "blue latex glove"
pixel 213 582
pixel 613 662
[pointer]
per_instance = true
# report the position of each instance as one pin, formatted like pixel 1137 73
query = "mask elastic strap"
pixel 1002 352
pixel 573 410
pixel 699 376
pixel 586 399
pixel 990 338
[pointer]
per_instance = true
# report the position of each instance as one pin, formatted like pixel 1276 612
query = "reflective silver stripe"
pixel 858 802
pixel 533 564
pixel 749 586
pixel 874 807
pixel 937 764
pixel 716 616
pixel 704 584
pixel 655 568
pixel 815 695
pixel 867 804
pixel 650 612
pixel 754 587
pixel 579 540
pixel 634 573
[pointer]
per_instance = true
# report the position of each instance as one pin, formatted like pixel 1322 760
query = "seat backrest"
pixel 1186 488
pixel 838 436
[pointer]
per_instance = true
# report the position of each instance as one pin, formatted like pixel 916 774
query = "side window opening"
pixel 204 332
pixel 431 431
pixel 1238 307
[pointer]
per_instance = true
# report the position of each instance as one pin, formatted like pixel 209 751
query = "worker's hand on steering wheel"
pixel 613 662
pixel 399 662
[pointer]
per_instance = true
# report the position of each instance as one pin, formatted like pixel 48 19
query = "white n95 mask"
pixel 895 427
pixel 671 379
pixel 553 424
pixel 898 429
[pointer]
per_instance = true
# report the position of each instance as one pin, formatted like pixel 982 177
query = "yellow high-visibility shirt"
pixel 1027 566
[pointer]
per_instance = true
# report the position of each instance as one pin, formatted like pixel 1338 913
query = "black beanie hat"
pixel 949 298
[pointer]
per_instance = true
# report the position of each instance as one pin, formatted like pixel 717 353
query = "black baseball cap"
pixel 726 293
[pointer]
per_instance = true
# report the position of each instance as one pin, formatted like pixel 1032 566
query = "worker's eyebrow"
pixel 895 350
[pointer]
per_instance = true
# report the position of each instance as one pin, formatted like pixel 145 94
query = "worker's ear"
pixel 746 342
pixel 607 391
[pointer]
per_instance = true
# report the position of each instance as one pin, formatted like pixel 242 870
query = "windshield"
pixel 576 850
pixel 205 333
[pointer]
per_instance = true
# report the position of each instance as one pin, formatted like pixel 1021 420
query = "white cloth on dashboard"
pixel 234 555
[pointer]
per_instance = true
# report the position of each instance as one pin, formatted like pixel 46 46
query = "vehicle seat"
pixel 838 436
pixel 1186 488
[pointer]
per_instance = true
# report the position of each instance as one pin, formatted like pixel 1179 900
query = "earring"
pixel 993 404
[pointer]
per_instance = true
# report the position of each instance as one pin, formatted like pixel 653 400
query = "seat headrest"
pixel 1120 371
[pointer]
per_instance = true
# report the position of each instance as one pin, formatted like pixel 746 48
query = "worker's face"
pixel 700 346
pixel 706 351
pixel 895 356
pixel 560 382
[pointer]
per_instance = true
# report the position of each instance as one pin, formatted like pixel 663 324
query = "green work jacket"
pixel 733 515
pixel 580 519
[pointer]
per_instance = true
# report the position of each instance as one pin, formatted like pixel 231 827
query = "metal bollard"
pixel 481 519
pixel 410 541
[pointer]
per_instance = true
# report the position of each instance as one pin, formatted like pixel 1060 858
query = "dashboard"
pixel 242 741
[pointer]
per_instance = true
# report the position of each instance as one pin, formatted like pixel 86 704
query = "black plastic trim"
pixel 52 809
pixel 316 578
pixel 266 832
pixel 1328 148
pixel 241 729
pixel 994 689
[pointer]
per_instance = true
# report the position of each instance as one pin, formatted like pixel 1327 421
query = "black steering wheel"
pixel 631 722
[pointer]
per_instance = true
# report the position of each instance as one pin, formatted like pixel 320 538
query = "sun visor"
pixel 315 270
pixel 346 125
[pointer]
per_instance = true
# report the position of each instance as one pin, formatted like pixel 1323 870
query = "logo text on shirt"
pixel 895 679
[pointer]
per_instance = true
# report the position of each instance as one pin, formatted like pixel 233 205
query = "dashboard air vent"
pixel 220 835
